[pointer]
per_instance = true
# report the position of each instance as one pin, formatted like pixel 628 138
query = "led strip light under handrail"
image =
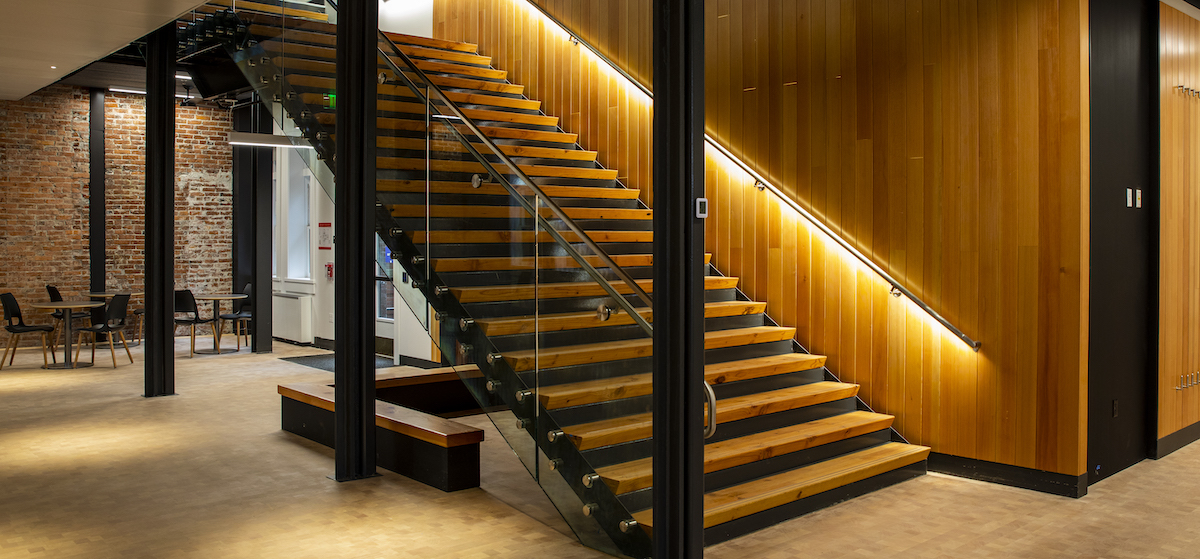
pixel 897 288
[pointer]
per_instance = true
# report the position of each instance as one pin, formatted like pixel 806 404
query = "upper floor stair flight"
pixel 537 263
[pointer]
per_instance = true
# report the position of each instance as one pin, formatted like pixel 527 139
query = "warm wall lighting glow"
pixel 739 169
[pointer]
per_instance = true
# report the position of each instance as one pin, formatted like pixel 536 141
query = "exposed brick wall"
pixel 43 190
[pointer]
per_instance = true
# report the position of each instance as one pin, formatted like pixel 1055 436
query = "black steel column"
pixel 678 279
pixel 354 235
pixel 97 218
pixel 160 212
pixel 252 201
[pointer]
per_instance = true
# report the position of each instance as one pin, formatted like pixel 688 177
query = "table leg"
pixel 217 323
pixel 68 319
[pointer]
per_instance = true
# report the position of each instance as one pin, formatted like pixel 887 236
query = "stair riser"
pixel 773 382
pixel 414 198
pixel 550 340
pixel 527 277
pixel 468 250
pixel 566 305
pixel 742 526
pixel 747 351
pixel 438 155
pixel 450 176
pixel 516 224
pixel 643 499
pixel 635 450
pixel 588 413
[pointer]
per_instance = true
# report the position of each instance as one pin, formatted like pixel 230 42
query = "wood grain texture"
pixel 945 139
pixel 1179 233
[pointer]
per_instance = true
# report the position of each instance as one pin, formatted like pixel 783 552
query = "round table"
pixel 216 299
pixel 68 307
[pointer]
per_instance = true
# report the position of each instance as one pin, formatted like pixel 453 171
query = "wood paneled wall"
pixel 945 139
pixel 1179 223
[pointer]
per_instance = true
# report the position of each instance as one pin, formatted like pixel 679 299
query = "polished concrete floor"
pixel 89 468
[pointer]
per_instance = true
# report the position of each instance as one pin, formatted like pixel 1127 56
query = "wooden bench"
pixel 430 449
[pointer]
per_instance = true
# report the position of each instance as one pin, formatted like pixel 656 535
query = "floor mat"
pixel 325 362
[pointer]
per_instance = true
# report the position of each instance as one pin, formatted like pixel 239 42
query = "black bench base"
pixel 448 469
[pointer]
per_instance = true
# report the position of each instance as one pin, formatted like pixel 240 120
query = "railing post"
pixel 678 279
pixel 160 212
pixel 354 230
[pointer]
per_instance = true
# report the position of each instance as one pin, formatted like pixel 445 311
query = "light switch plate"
pixel 1128 197
pixel 1139 198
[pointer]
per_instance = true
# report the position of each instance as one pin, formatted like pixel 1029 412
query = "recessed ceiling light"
pixel 54 67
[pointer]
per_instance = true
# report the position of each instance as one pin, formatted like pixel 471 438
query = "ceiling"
pixel 43 40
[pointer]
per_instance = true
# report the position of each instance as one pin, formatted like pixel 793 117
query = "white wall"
pixel 411 17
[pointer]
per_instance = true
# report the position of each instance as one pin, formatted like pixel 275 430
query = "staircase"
pixel 569 387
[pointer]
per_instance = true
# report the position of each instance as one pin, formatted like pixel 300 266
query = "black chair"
pixel 15 324
pixel 107 321
pixel 243 311
pixel 185 303
pixel 58 315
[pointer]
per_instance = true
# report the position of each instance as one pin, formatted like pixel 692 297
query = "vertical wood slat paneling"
pixel 944 138
pixel 1179 232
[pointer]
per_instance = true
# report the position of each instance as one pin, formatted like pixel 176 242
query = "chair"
pixel 15 324
pixel 185 303
pixel 107 321
pixel 243 311
pixel 55 297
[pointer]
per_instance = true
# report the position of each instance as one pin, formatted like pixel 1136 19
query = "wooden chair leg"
pixel 137 335
pixel 93 348
pixel 45 361
pixel 121 333
pixel 216 328
pixel 78 346
pixel 112 349
pixel 237 334
pixel 7 347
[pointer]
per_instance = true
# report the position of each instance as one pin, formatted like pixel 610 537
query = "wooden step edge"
pixel 463 166
pixel 497 236
pixel 629 386
pixel 766 493
pixel 615 430
pixel 638 474
pixel 581 320
pixel 453 146
pixel 492 293
pixel 603 352
pixel 493 189
pixel 517 212
pixel 435 43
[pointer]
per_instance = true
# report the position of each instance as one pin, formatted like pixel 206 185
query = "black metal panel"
pixel 354 228
pixel 678 278
pixel 742 526
pixel 1016 476
pixel 306 420
pixel 1122 351
pixel 252 215
pixel 97 217
pixel 160 212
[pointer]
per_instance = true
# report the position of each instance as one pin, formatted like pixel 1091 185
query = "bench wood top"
pixel 418 425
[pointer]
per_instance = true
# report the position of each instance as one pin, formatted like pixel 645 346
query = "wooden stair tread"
pixel 408 124
pixel 491 264
pixel 412 46
pixel 629 386
pixel 318 53
pixel 638 474
pixel 304 65
pixel 392 377
pixel 244 5
pixel 487 293
pixel 452 166
pixel 494 189
pixel 484 237
pixel 639 347
pixel 517 212
pixel 435 43
pixel 579 320
pixel 772 491
pixel 454 146
pixel 628 428
pixel 413 108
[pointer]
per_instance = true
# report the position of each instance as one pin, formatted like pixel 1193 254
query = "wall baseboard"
pixel 1015 476
pixel 1176 440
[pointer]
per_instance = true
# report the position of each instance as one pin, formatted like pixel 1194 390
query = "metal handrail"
pixel 760 180
pixel 558 212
